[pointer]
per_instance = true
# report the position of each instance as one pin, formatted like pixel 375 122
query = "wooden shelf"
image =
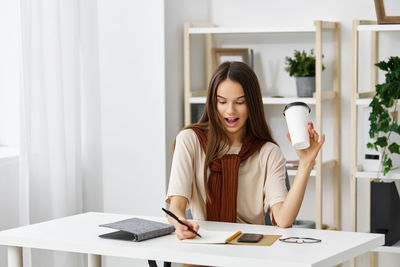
pixel 392 175
pixel 389 249
pixel 363 101
pixel 197 100
pixel 287 100
pixel 379 28
pixel 293 173
pixel 240 30
pixel 325 165
pixel 266 100
pixel 201 29
pixel 366 102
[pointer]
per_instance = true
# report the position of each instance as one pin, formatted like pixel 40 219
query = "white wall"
pixel 91 110
pixel 131 52
pixel 132 91
pixel 177 12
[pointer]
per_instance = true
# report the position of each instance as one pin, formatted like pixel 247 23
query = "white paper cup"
pixel 297 117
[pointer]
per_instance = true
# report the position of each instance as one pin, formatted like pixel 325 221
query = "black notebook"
pixel 136 229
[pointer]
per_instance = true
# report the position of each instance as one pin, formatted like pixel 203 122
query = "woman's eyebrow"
pixel 225 97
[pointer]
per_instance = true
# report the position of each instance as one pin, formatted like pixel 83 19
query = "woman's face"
pixel 232 108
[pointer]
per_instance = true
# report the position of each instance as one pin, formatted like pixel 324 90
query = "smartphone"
pixel 250 238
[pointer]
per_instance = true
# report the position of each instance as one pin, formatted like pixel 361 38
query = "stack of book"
pixel 292 164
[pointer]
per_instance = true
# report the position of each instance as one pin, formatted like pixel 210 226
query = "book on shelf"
pixel 292 164
pixel 251 63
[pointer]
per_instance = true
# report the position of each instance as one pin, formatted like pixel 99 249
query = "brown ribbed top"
pixel 223 178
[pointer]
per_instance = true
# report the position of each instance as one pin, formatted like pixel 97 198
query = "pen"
pixel 179 221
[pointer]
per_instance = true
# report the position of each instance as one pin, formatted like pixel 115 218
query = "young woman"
pixel 227 167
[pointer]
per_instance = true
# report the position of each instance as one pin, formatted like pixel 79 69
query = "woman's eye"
pixel 222 102
pixel 240 103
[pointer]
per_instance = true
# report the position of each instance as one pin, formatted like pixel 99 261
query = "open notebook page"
pixel 213 237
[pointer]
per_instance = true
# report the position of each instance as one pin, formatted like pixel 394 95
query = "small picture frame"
pixel 221 55
pixel 387 11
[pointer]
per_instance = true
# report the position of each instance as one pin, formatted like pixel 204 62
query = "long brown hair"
pixel 217 139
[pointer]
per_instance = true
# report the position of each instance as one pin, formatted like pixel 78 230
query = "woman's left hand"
pixel 309 154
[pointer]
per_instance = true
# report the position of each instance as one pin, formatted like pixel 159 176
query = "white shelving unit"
pixel 359 100
pixel 197 97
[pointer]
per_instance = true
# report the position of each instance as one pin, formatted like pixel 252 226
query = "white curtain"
pixel 51 118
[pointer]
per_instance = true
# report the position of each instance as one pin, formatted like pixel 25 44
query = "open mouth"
pixel 231 121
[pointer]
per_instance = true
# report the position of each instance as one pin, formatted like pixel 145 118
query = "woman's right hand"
pixel 178 205
pixel 182 232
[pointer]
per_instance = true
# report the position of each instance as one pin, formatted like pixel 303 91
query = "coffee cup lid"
pixel 296 104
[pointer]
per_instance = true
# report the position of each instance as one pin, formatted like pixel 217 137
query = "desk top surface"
pixel 79 233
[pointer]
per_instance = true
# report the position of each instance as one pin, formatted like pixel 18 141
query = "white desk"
pixel 79 234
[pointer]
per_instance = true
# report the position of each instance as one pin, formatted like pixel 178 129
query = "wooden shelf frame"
pixel 195 97
pixel 363 99
pixel 356 96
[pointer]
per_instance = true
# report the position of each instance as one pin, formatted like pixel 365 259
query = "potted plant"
pixel 302 67
pixel 385 201
pixel 382 123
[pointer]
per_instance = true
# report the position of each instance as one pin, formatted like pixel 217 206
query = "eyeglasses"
pixel 300 240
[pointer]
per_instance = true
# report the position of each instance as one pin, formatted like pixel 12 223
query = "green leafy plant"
pixel 382 124
pixel 302 64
